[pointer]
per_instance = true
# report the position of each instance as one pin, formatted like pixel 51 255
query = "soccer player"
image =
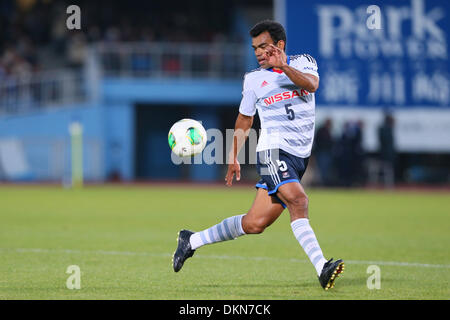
pixel 282 90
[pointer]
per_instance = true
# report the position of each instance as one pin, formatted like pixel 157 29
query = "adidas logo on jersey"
pixel 265 83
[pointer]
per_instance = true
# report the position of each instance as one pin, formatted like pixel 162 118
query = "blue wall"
pixel 197 92
pixel 42 132
pixel 119 139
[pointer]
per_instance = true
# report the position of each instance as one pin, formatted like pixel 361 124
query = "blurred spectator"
pixel 76 50
pixel 30 24
pixel 359 156
pixel 59 29
pixel 14 64
pixel 171 64
pixel 350 155
pixel 344 156
pixel 324 145
pixel 387 150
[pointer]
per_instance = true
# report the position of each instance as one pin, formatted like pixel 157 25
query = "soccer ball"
pixel 187 137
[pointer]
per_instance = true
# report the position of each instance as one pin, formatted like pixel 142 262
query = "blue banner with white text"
pixel 388 54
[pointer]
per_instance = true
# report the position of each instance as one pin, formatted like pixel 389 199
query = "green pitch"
pixel 122 239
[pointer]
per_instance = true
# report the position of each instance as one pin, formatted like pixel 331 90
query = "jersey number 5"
pixel 290 112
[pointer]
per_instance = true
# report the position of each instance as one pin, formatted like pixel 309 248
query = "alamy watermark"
pixel 74 280
pixel 218 150
pixel 374 280
pixel 73 22
pixel 373 22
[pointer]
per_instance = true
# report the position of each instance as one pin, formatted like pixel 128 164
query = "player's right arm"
pixel 244 122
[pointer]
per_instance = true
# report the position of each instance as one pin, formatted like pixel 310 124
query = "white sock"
pixel 228 229
pixel 307 239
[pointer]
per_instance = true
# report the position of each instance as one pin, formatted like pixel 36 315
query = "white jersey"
pixel 287 113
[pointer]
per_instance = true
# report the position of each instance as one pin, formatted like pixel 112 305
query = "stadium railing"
pixel 172 60
pixel 41 90
pixel 185 61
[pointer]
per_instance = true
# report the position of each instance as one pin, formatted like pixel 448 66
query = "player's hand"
pixel 233 168
pixel 275 56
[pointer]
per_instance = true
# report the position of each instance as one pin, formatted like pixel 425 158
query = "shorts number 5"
pixel 282 165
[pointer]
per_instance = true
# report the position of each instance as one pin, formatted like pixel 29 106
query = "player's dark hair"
pixel 274 28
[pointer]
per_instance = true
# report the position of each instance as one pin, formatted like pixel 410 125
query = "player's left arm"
pixel 278 59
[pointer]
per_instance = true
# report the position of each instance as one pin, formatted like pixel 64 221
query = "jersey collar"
pixel 278 70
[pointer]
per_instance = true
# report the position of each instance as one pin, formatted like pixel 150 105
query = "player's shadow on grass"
pixel 348 281
pixel 267 290
pixel 361 281
pixel 343 281
pixel 259 285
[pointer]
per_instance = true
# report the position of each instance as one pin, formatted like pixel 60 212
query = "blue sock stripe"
pixel 219 230
pixel 301 230
pixel 315 254
pixel 312 250
pixel 310 240
pixel 306 233
pixel 211 235
pixel 239 224
pixel 301 227
pixel 239 229
pixel 227 229
pixel 300 223
pixel 235 219
pixel 230 223
pixel 216 233
pixel 202 236
pixel 317 259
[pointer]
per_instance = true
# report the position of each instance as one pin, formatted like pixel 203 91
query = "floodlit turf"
pixel 122 238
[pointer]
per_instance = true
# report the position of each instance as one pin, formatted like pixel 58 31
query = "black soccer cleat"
pixel 330 272
pixel 183 251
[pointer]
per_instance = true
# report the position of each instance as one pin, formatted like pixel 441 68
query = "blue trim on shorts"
pixel 281 183
pixel 281 202
pixel 259 185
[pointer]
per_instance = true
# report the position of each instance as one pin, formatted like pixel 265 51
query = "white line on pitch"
pixel 224 257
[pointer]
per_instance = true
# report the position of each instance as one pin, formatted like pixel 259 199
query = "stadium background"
pixel 135 68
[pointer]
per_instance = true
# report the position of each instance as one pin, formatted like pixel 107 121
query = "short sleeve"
pixel 306 64
pixel 248 102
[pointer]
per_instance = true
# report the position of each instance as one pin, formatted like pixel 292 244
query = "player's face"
pixel 260 44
